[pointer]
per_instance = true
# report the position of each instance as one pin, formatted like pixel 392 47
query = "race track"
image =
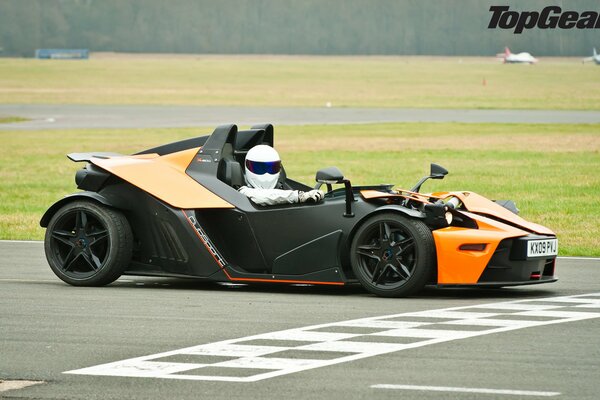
pixel 490 344
pixel 142 338
pixel 113 116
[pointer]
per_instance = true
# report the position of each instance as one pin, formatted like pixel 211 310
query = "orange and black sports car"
pixel 174 211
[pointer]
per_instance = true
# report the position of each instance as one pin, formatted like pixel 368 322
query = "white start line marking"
pixel 467 390
pixel 5 386
pixel 267 355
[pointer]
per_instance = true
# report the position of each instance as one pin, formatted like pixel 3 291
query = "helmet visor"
pixel 263 167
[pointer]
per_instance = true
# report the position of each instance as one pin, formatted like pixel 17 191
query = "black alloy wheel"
pixel 393 255
pixel 88 244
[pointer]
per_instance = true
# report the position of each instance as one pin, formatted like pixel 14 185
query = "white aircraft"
pixel 595 58
pixel 520 58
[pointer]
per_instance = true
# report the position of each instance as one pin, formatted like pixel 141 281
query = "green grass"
pixel 10 120
pixel 422 82
pixel 551 171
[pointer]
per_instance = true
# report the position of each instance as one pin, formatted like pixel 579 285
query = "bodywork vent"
pixel 166 244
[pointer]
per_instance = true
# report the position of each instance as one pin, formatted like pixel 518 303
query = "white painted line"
pixel 519 306
pixel 355 347
pixel 571 300
pixel 579 258
pixel 307 336
pixel 234 350
pixel 429 333
pixel 596 305
pixel 496 322
pixel 290 352
pixel 467 390
pixel 28 280
pixel 382 324
pixel 149 369
pixel 557 314
pixel 450 314
pixel 6 385
pixel 270 363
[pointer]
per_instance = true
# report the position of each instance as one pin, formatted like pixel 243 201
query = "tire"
pixel 88 244
pixel 384 273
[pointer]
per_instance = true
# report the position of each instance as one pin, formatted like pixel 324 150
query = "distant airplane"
pixel 595 58
pixel 521 58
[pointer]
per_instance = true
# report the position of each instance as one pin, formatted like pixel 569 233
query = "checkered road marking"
pixel 272 354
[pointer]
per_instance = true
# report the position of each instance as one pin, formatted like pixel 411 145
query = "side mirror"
pixel 329 176
pixel 437 171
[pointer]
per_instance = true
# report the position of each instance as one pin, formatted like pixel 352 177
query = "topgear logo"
pixel 550 17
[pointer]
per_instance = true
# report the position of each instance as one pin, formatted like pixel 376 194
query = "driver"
pixel 262 173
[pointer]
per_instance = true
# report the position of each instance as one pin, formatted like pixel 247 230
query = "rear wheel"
pixel 88 244
pixel 392 255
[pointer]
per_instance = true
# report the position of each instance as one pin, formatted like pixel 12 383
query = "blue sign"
pixel 62 54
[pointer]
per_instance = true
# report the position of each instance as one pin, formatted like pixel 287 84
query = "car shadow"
pixel 430 292
pixel 196 284
pixel 511 293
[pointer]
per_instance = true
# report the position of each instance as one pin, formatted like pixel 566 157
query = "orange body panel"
pixel 164 177
pixel 457 266
pixel 479 204
pixel 373 194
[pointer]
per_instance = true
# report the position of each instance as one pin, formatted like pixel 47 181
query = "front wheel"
pixel 88 244
pixel 392 255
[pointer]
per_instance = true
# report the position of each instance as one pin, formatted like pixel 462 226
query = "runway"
pixel 126 116
pixel 144 328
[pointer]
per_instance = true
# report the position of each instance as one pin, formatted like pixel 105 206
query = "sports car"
pixel 174 211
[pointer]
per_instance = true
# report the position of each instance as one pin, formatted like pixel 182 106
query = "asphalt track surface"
pixel 48 328
pixel 134 116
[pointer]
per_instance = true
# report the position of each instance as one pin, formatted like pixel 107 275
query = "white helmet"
pixel 262 167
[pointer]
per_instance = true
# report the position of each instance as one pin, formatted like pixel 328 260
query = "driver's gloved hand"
pixel 314 196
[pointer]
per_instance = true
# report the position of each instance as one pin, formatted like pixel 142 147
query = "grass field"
pixel 550 170
pixel 423 82
pixel 10 120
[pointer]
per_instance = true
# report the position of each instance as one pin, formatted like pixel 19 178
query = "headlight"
pixel 448 217
pixel 454 203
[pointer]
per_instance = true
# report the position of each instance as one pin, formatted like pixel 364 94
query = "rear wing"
pixel 79 157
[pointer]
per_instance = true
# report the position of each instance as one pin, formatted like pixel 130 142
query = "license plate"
pixel 542 248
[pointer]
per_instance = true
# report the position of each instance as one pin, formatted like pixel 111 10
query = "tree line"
pixel 386 27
